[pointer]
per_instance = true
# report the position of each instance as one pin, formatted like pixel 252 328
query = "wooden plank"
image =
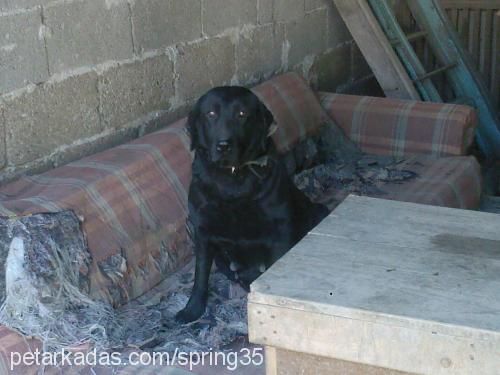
pixel 454 17
pixel 432 237
pixel 416 245
pixel 463 25
pixel 436 71
pixel 469 4
pixel 495 62
pixel 448 13
pixel 386 18
pixel 474 31
pixel 485 44
pixel 379 54
pixel 375 343
pixel 403 15
pixel 296 363
pixel 397 212
pixel 420 285
pixel 271 360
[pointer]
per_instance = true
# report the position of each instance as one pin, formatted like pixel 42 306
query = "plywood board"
pixel 399 285
pixel 377 51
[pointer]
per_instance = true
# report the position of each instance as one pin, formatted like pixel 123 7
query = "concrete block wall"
pixel 79 76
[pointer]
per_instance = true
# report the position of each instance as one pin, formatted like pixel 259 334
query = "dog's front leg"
pixel 198 300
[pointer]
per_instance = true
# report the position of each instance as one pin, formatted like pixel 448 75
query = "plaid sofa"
pixel 133 197
pixel 433 138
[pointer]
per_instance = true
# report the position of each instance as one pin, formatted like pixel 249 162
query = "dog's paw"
pixel 188 315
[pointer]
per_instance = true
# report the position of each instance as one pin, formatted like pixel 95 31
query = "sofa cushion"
pixel 402 127
pixel 449 182
pixel 295 108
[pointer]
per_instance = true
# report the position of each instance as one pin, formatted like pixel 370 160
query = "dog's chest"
pixel 239 222
pixel 242 208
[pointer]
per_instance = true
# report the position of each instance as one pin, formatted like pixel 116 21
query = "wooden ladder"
pixel 395 63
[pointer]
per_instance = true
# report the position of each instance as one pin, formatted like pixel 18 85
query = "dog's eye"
pixel 211 114
pixel 242 114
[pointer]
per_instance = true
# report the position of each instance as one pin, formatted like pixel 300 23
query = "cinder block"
pixel 203 65
pixel 3 156
pixel 307 36
pixel 22 51
pixel 132 90
pixel 332 69
pixel 84 33
pixel 337 30
pixel 288 10
pixel 315 4
pixel 52 115
pixel 259 52
pixel 219 15
pixel 160 23
pixel 8 5
pixel 264 11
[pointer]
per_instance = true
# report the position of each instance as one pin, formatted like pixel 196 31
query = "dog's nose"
pixel 223 146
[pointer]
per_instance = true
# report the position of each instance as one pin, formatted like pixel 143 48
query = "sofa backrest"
pixel 295 108
pixel 397 127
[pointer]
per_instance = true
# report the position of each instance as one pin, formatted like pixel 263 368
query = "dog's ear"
pixel 267 119
pixel 192 126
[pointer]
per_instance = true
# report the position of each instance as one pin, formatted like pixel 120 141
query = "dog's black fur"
pixel 244 209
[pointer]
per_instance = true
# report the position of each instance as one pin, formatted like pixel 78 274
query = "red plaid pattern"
pixel 448 182
pixel 133 199
pixel 402 127
pixel 294 106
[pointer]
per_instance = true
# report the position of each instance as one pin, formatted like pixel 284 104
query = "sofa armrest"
pixel 133 198
pixel 402 127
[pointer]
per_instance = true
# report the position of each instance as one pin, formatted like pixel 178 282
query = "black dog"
pixel 244 210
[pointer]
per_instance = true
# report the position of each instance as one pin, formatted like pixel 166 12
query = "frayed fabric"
pixel 46 296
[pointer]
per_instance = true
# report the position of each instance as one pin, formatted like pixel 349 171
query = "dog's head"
pixel 230 125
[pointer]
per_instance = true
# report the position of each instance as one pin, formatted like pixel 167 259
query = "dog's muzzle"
pixel 223 147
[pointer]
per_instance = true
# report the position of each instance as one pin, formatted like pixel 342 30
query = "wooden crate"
pixel 383 286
